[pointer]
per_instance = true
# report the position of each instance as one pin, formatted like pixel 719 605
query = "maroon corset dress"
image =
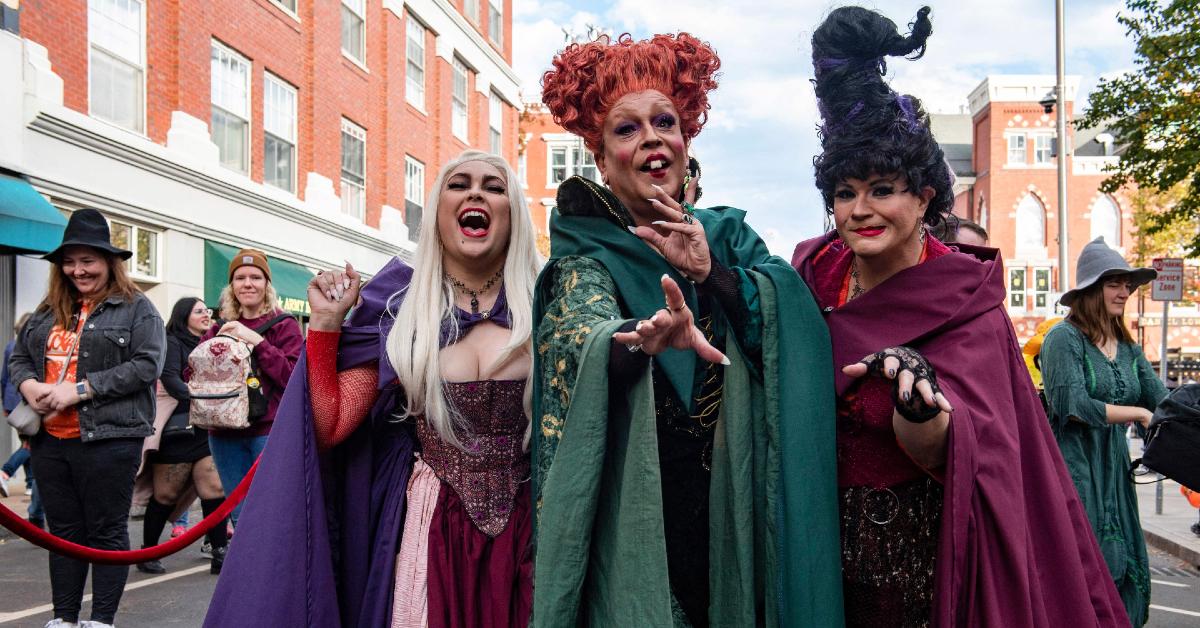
pixel 480 570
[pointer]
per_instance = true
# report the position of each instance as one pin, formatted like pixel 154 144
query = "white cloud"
pixel 758 147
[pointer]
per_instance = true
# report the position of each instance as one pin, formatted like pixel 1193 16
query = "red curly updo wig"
pixel 588 79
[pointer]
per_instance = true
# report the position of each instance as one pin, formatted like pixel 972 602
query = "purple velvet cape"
pixel 317 539
pixel 1015 546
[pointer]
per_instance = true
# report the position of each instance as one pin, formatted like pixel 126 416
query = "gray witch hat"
pixel 1098 261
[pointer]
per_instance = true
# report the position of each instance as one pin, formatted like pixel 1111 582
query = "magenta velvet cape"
pixel 1015 546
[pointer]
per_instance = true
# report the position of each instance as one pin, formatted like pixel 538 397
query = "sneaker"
pixel 4 483
pixel 58 622
pixel 28 491
pixel 177 531
pixel 94 624
pixel 206 549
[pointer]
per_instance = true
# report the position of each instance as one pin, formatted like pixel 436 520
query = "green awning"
pixel 290 279
pixel 28 223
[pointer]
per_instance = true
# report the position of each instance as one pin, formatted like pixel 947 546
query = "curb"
pixel 1172 547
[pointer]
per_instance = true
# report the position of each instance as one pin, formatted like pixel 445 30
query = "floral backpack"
pixel 224 384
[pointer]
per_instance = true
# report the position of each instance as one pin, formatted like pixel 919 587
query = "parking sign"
pixel 1169 284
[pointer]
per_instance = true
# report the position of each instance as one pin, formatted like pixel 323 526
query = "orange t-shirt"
pixel 65 423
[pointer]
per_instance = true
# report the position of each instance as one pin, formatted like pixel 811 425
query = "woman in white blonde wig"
pixel 403 438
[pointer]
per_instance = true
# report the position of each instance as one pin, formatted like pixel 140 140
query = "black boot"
pixel 151 566
pixel 216 536
pixel 218 559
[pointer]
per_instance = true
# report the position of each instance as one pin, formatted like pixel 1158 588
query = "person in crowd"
pixel 1098 382
pixel 965 232
pixel 181 456
pixel 248 305
pixel 956 508
pixel 669 345
pixel 20 459
pixel 88 360
pixel 435 359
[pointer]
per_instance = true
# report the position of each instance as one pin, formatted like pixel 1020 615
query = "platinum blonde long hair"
pixel 413 344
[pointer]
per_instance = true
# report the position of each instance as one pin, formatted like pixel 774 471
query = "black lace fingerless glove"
pixel 914 409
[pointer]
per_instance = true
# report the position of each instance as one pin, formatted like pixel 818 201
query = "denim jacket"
pixel 120 354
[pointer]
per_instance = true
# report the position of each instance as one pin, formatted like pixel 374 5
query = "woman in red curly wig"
pixel 670 343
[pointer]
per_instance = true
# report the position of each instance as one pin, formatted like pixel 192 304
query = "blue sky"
pixel 758 146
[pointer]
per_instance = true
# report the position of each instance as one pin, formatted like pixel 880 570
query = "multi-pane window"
pixel 414 195
pixel 354 170
pixel 1016 149
pixel 354 29
pixel 471 8
pixel 523 170
pixel 1043 148
pixel 496 21
pixel 414 90
pixel 1016 288
pixel 1030 227
pixel 290 5
pixel 458 109
pixel 279 134
pixel 567 160
pixel 116 83
pixel 496 123
pixel 231 107
pixel 1106 221
pixel 1041 287
pixel 144 245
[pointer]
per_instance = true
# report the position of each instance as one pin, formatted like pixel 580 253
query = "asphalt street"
pixel 180 597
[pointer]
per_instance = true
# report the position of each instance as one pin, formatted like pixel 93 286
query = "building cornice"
pixel 63 130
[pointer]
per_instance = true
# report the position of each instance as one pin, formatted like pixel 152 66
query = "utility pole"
pixel 1064 149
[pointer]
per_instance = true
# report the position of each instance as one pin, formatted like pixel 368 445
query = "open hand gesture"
pixel 678 237
pixel 909 371
pixel 670 327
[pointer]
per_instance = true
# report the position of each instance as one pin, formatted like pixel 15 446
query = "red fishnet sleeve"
pixel 340 400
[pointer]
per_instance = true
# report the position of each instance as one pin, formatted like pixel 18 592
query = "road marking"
pixel 37 610
pixel 1169 584
pixel 1174 610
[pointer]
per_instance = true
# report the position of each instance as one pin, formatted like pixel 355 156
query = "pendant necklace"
pixel 475 293
pixel 856 288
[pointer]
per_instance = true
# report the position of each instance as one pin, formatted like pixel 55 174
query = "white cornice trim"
pixel 53 126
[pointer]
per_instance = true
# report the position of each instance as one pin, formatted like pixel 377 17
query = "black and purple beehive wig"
pixel 867 128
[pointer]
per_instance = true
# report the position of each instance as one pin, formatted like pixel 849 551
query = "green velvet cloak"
pixel 600 555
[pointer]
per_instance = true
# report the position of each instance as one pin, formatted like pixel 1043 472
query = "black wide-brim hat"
pixel 87 227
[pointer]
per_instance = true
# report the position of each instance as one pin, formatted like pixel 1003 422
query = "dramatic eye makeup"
pixel 664 121
pixel 625 128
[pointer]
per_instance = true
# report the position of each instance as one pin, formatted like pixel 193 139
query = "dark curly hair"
pixel 868 128
pixel 588 79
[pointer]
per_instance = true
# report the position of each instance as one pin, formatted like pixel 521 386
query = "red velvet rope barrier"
pixel 41 538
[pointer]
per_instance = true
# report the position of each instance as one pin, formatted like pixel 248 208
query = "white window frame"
pixel 1043 155
pixel 414 180
pixel 496 22
pixel 292 11
pixel 115 57
pixel 1035 293
pixel 249 133
pixel 1092 226
pixel 356 207
pixel 359 11
pixel 471 10
pixel 460 105
pixel 272 82
pixel 572 148
pixel 135 247
pixel 523 168
pixel 496 123
pixel 1017 293
pixel 1022 151
pixel 414 90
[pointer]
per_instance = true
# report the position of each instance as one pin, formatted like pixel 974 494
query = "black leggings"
pixel 86 489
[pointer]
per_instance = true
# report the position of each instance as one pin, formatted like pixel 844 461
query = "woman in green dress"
pixel 1097 383
pixel 676 362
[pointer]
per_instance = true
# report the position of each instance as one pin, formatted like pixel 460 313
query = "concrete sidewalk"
pixel 1171 530
pixel 17 501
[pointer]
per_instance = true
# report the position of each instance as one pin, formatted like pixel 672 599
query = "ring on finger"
pixel 687 219
pixel 678 309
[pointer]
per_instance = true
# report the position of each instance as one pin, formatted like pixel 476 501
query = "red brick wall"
pixel 305 52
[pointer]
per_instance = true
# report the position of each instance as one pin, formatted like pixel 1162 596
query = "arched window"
pixel 1106 221
pixel 1031 227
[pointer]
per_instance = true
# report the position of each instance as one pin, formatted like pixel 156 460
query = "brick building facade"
pixel 1004 155
pixel 548 156
pixel 309 128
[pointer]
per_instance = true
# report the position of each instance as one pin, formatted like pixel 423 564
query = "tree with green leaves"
pixel 1154 111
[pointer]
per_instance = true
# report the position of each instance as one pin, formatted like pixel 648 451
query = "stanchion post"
pixel 1162 372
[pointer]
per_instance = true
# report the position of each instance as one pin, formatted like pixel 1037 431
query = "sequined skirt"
pixel 889 549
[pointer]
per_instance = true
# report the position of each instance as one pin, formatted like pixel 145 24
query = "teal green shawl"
pixel 774 547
